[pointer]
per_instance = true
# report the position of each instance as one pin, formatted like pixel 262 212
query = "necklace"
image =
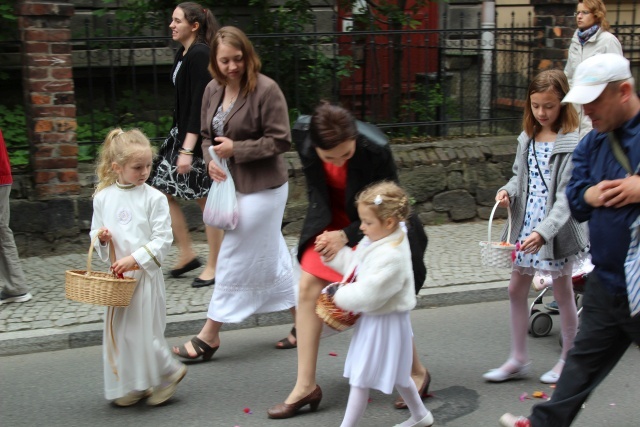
pixel 232 100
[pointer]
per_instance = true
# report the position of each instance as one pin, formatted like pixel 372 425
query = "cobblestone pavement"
pixel 452 258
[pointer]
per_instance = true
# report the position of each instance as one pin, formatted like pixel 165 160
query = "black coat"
pixel 371 162
pixel 191 81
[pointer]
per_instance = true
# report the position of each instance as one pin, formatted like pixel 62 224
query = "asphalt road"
pixel 458 343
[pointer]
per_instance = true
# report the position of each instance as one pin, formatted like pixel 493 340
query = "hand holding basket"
pixel 99 288
pixel 498 254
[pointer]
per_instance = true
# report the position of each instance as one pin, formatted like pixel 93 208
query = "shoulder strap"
pixel 535 156
pixel 618 152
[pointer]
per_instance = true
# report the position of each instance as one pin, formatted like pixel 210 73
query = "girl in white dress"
pixel 380 286
pixel 134 218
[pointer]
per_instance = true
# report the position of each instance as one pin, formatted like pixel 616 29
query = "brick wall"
pixel 49 96
pixel 557 18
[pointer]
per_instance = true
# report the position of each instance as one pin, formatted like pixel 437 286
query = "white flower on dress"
pixel 124 216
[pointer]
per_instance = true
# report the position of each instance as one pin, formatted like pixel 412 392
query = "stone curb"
pixel 52 339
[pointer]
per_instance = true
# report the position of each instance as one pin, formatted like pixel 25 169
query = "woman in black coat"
pixel 179 170
pixel 340 157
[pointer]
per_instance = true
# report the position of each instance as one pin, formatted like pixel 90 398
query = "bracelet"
pixel 188 153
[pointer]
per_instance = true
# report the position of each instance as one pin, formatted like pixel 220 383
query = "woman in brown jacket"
pixel 245 118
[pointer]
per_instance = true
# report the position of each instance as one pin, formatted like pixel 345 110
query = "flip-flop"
pixel 285 344
pixel 201 348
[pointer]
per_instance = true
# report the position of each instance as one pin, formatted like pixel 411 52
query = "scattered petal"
pixel 540 395
pixel 333 353
pixel 612 404
pixel 524 396
pixel 247 411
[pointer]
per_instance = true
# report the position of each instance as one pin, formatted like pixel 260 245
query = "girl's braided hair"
pixel 386 199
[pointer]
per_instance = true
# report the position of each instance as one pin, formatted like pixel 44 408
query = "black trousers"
pixel 606 331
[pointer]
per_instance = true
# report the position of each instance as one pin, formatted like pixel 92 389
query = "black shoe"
pixel 191 265
pixel 199 283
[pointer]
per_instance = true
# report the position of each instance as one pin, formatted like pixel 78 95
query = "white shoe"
pixel 499 375
pixel 427 421
pixel 167 389
pixel 551 377
pixel 132 398
pixel 6 298
pixel 508 420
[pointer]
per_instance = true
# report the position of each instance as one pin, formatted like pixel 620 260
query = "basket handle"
pixel 112 252
pixel 493 211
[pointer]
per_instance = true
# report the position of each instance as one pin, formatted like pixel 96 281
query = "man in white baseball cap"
pixel 605 190
pixel 591 78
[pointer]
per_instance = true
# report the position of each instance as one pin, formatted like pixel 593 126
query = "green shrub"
pixel 14 129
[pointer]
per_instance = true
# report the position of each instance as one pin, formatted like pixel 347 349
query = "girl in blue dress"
pixel 550 240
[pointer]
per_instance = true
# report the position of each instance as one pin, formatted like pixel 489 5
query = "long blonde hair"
pixel 119 147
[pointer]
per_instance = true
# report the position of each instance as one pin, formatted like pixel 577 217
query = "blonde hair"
pixel 386 200
pixel 119 147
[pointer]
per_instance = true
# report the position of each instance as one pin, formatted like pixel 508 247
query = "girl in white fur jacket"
pixel 380 286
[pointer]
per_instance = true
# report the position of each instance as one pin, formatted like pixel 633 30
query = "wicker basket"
pixel 98 288
pixel 498 254
pixel 334 317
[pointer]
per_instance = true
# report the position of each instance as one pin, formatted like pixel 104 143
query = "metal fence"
pixel 412 83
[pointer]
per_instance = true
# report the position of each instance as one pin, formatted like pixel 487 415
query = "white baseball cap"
pixel 593 74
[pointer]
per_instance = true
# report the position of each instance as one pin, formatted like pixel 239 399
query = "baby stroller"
pixel 540 323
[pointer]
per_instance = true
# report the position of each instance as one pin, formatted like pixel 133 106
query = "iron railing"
pixel 411 83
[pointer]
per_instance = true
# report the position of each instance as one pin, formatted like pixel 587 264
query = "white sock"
pixel 358 399
pixel 414 403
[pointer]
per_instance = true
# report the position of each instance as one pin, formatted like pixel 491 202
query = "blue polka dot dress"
pixel 536 212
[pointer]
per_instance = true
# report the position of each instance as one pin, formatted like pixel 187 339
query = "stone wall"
pixel 450 180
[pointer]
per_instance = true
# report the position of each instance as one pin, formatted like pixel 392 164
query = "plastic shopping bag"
pixel 221 209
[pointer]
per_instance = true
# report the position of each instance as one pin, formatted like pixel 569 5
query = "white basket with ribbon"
pixel 498 254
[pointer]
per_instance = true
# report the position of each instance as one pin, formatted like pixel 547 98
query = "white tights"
pixel 359 397
pixel 518 298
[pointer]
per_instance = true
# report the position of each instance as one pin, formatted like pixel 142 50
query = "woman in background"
pixel 179 170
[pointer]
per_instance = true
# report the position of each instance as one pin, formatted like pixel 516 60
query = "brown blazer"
pixel 259 126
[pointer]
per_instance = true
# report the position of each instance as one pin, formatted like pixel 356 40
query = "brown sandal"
pixel 423 392
pixel 201 348
pixel 285 344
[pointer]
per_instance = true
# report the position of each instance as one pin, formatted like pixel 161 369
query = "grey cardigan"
pixel 563 235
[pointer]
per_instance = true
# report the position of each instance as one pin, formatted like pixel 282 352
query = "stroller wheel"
pixel 540 324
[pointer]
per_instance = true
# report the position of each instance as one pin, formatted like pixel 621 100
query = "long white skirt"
pixel 253 273
pixel 381 352
pixel 135 353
